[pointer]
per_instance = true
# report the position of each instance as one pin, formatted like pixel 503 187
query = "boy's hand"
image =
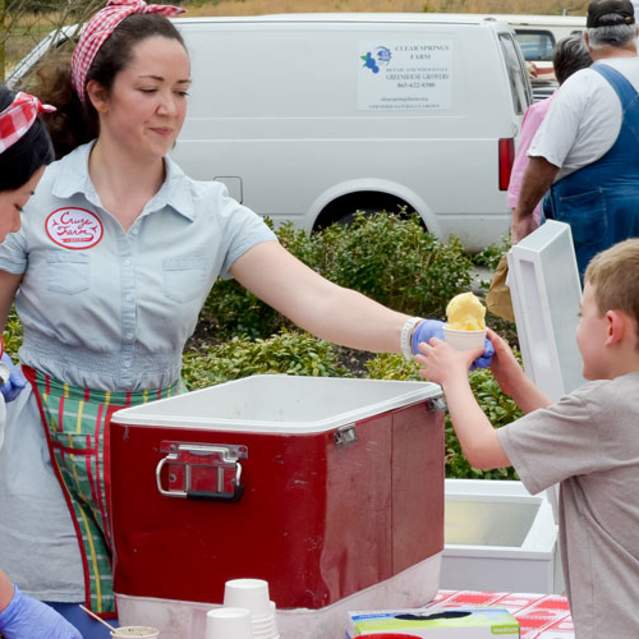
pixel 505 367
pixel 441 363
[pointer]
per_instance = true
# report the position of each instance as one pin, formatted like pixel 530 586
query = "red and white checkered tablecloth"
pixel 540 616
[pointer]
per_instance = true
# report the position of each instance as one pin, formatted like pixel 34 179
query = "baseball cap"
pixel 615 12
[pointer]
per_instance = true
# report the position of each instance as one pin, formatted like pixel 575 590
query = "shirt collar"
pixel 74 179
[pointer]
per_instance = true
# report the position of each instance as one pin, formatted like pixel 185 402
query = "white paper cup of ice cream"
pixel 464 340
pixel 135 632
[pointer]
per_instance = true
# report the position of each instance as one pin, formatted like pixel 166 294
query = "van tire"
pixel 343 210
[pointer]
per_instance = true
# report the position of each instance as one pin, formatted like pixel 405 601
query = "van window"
pixel 537 46
pixel 517 75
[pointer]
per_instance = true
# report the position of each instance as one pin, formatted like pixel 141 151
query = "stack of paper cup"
pixel 229 623
pixel 253 594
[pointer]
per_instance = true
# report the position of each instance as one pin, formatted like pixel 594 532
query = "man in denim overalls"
pixel 587 149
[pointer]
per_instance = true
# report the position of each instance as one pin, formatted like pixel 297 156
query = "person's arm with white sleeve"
pixel 22 617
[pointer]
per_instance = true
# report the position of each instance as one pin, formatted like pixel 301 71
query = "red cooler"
pixel 330 489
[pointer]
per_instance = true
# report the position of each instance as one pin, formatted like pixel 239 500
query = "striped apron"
pixel 76 422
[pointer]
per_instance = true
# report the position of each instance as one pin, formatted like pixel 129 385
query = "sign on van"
pixel 412 75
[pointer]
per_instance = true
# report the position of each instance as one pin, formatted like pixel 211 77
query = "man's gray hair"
pixel 618 35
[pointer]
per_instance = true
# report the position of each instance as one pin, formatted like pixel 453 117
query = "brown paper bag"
pixel 498 300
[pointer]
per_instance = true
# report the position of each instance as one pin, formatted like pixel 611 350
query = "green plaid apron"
pixel 76 424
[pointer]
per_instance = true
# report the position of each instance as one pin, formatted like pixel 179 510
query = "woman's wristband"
pixel 406 335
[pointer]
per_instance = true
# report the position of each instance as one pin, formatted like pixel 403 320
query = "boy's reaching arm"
pixel 476 434
pixel 442 364
pixel 512 379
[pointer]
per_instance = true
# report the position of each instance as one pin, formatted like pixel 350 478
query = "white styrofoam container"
pixel 499 537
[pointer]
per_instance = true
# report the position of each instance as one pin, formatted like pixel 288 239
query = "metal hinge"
pixel 345 435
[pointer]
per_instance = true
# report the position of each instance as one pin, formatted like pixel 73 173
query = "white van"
pixel 311 117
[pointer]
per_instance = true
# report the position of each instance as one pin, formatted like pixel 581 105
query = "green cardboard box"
pixel 434 623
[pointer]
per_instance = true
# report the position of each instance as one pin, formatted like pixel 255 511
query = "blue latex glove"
pixel 27 618
pixel 428 329
pixel 16 382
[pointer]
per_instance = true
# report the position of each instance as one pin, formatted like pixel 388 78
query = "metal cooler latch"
pixel 437 403
pixel 345 435
pixel 201 471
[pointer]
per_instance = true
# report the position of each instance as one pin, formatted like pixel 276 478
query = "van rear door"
pixel 520 89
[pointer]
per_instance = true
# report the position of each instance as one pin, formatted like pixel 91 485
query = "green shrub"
pixel 13 335
pixel 232 310
pixel 384 256
pixel 499 408
pixel 490 256
pixel 394 261
pixel 291 353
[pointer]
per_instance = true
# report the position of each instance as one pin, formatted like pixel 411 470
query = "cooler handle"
pixel 217 466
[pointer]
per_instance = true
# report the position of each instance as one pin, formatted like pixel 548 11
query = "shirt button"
pixel 127 364
pixel 130 336
pixel 129 298
pixel 127 263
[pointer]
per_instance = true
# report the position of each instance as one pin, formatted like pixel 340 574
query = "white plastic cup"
pixel 265 631
pixel 248 593
pixel 464 340
pixel 229 623
pixel 265 626
pixel 135 632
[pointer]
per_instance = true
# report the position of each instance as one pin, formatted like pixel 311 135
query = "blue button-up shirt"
pixel 109 309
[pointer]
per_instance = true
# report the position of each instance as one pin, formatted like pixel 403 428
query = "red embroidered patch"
pixel 74 228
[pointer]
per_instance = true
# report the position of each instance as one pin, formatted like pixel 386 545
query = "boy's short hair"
pixel 614 275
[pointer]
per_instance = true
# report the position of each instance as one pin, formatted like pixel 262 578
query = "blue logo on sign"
pixel 376 59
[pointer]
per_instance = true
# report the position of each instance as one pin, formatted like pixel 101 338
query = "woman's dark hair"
pixel 570 55
pixel 22 159
pixel 74 123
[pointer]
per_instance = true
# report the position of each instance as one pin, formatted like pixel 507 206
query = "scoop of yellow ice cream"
pixel 466 313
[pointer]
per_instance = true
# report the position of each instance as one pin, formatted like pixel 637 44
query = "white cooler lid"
pixel 546 292
pixel 279 404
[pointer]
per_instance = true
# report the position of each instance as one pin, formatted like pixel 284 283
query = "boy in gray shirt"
pixel 588 441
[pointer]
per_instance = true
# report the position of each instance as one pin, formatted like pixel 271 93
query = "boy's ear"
pixel 619 327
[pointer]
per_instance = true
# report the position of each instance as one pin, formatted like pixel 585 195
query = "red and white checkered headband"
pixel 19 117
pixel 98 30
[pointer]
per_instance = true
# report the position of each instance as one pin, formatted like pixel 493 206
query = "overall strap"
pixel 622 86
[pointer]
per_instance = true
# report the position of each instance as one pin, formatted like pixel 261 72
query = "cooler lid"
pixel 279 404
pixel 546 294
